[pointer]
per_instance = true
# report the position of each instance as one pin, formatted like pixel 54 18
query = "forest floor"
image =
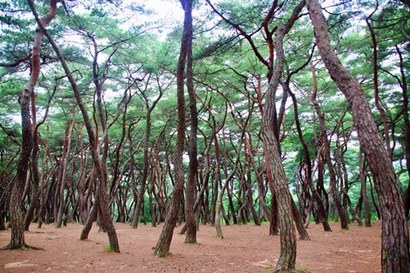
pixel 245 248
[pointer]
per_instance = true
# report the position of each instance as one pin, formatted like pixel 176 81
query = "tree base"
pixel 23 247
pixel 281 270
pixel 190 240
pixel 160 253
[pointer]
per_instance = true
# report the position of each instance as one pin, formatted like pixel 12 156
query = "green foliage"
pixel 108 248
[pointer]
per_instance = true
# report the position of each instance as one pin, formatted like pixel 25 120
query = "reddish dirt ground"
pixel 245 248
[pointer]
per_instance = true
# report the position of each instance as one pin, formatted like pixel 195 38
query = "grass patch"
pixel 108 248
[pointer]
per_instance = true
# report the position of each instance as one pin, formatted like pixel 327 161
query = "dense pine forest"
pixel 206 112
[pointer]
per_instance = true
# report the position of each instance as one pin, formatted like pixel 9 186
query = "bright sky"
pixel 166 8
pixel 169 11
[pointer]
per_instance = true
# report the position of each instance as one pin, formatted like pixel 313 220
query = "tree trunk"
pixel 217 183
pixel 16 214
pixel 249 194
pixel 363 191
pixel 190 237
pixel 395 235
pixel 324 151
pixel 36 177
pixel 219 206
pixel 164 241
pixel 406 129
pixel 141 193
pixel 63 173
pixel 301 229
pixel 274 168
pixel 34 167
pixel 322 216
pixel 261 190
pixel 375 79
pixel 303 234
pixel 101 185
pixel 273 226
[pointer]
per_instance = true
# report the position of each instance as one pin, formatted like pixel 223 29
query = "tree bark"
pixel 164 241
pixel 395 235
pixel 308 177
pixel 274 167
pixel 63 172
pixel 363 191
pixel 324 151
pixel 16 214
pixel 36 177
pixel 101 198
pixel 140 199
pixel 406 129
pixel 377 102
pixel 190 236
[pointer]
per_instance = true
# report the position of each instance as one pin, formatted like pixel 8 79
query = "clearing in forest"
pixel 245 248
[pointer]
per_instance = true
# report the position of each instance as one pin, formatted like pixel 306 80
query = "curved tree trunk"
pixel 249 194
pixel 37 178
pixel 101 198
pixel 309 179
pixel 274 168
pixel 63 173
pixel 141 193
pixel 375 64
pixel 325 153
pixel 395 255
pixel 193 153
pixel 363 191
pixel 219 206
pixel 406 129
pixel 16 213
pixel 164 241
pixel 34 167
pixel 261 190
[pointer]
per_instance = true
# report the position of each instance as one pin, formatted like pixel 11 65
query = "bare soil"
pixel 245 248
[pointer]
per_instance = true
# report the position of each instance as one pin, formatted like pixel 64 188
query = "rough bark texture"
pixel 16 213
pixel 164 241
pixel 193 152
pixel 35 173
pixel 101 198
pixel 395 235
pixel 274 168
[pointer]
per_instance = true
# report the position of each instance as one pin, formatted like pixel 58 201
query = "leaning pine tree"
pixel 101 203
pixel 16 214
pixel 164 241
pixel 395 235
pixel 274 167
